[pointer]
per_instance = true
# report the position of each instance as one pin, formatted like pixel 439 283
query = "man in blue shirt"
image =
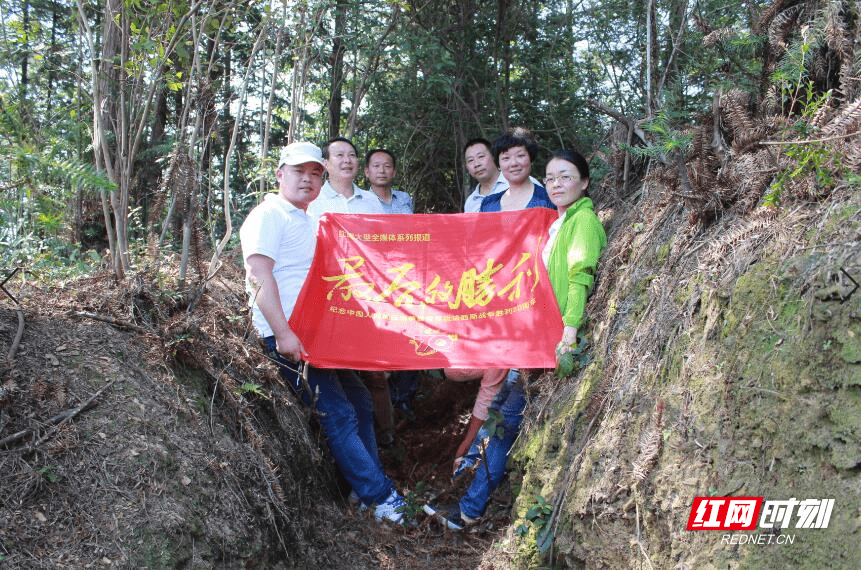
pixel 380 171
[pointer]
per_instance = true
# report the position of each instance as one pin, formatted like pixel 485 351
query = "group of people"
pixel 278 239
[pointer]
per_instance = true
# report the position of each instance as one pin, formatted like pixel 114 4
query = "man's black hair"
pixel 374 151
pixel 477 140
pixel 325 148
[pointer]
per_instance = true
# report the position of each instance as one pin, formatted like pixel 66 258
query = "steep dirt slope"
pixel 727 363
pixel 137 432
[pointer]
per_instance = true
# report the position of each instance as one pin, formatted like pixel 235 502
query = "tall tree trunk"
pixel 338 50
pixel 502 57
pixel 52 60
pixel 104 117
pixel 651 57
pixel 675 37
pixel 25 56
pixel 361 85
pixel 270 103
pixel 300 73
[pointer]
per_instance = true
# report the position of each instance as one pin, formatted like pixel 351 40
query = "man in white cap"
pixel 278 239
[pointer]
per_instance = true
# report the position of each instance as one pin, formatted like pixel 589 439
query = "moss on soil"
pixel 760 387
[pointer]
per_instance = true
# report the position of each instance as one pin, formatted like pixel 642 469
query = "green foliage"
pixel 540 515
pixel 413 500
pixel 48 474
pixel 574 360
pixel 808 158
pixel 494 423
pixel 667 140
pixel 250 388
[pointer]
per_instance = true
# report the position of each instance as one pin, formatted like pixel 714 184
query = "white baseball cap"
pixel 299 153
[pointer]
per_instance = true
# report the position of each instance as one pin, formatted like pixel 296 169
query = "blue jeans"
pixel 402 385
pixel 346 413
pixel 510 402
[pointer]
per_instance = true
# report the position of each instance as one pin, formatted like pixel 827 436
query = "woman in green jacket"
pixel 576 241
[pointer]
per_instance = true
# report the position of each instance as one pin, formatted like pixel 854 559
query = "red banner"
pixel 424 291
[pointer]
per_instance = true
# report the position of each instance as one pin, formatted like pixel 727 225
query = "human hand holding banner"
pixel 423 291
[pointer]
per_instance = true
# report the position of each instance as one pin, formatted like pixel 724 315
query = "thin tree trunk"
pixel 267 125
pixel 338 50
pixel 651 57
pixel 502 57
pixel 228 221
pixel 25 57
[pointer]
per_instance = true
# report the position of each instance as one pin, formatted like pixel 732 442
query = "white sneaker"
pixel 392 509
pixel 356 502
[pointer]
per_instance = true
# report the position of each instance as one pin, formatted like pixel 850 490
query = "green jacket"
pixel 573 259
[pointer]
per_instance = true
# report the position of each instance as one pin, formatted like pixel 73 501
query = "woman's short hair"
pixel 574 158
pixel 518 136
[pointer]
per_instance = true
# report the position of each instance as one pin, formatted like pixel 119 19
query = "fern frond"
pixel 825 111
pixel 650 447
pixel 724 249
pixel 847 120
pixel 853 159
pixel 835 31
pixel 780 27
pixel 768 15
pixel 735 115
pixel 718 36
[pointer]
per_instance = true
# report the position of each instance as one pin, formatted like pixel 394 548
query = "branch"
pixel 809 141
pixel 14 348
pixel 112 321
pixel 71 414
pixel 631 123
pixel 60 419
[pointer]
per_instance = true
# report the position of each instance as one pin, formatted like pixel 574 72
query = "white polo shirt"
pixel 284 233
pixel 361 202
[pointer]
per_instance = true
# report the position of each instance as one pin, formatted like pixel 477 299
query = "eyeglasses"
pixel 564 179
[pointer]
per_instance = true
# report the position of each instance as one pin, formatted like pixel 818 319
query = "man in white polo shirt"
pixel 278 239
pixel 339 194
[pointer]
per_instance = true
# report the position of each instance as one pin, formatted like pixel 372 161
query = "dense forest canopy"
pixel 138 125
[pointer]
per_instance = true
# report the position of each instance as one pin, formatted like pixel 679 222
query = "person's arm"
pixel 584 242
pixel 267 297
